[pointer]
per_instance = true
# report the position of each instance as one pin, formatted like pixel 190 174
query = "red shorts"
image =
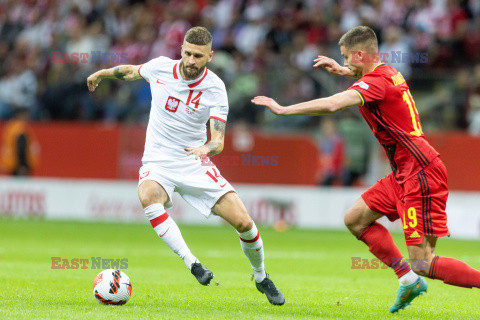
pixel 419 202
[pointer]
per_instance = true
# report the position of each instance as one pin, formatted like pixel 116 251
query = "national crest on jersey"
pixel 180 109
pixel 172 104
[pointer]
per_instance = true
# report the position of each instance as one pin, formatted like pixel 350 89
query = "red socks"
pixel 454 272
pixel 449 270
pixel 380 243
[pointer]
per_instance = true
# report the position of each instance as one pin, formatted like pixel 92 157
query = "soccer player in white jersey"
pixel 185 95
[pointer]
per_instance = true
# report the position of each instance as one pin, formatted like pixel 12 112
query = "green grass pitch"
pixel 312 268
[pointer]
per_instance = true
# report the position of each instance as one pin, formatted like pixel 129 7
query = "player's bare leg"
pixel 421 255
pixel 361 221
pixel 359 217
pixel 449 270
pixel 232 209
pixel 150 192
pixel 153 198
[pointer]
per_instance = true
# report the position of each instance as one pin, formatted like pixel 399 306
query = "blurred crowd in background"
pixel 49 47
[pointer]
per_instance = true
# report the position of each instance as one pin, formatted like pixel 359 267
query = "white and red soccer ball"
pixel 112 287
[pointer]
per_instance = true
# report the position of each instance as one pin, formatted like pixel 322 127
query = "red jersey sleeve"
pixel 371 88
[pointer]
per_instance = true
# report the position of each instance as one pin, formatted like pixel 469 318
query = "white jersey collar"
pixel 191 83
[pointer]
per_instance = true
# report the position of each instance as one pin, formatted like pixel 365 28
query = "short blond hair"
pixel 199 36
pixel 360 37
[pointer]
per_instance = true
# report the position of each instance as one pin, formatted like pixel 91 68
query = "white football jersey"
pixel 180 109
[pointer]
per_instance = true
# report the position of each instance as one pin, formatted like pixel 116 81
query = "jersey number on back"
pixel 196 100
pixel 417 127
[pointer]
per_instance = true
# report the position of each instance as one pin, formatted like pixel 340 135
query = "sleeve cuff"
pixel 141 74
pixel 360 95
pixel 217 118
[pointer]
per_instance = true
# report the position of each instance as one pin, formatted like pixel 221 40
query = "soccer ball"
pixel 112 287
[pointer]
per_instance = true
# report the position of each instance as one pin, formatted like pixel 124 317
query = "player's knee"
pixel 349 220
pixel 359 217
pixel 148 197
pixel 145 199
pixel 244 224
pixel 353 222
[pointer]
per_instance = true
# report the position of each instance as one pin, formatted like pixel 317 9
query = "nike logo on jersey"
pixel 158 81
pixel 223 185
pixel 144 175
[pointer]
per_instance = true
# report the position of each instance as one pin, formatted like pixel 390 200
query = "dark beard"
pixel 191 74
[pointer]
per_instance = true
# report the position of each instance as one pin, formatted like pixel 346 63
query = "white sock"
pixel 408 278
pixel 169 232
pixel 252 246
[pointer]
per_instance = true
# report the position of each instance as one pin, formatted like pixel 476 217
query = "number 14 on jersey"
pixel 196 100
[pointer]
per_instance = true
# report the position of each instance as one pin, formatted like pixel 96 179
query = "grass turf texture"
pixel 312 268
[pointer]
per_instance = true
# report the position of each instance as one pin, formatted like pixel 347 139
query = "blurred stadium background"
pixel 84 150
pixel 48 48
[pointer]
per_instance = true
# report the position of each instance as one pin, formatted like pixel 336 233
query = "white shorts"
pixel 199 185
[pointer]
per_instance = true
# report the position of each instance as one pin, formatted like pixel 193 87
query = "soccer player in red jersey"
pixel 415 191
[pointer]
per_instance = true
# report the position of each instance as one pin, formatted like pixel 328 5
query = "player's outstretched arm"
pixel 215 145
pixel 316 107
pixel 124 72
pixel 332 66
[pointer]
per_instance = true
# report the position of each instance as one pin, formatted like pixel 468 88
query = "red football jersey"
pixel 390 111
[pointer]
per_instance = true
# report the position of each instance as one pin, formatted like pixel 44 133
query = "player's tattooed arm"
pixel 215 145
pixel 219 126
pixel 123 72
pixel 218 136
pixel 126 72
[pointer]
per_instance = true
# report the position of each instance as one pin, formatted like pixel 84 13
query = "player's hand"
pixel 329 64
pixel 199 152
pixel 92 82
pixel 271 104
